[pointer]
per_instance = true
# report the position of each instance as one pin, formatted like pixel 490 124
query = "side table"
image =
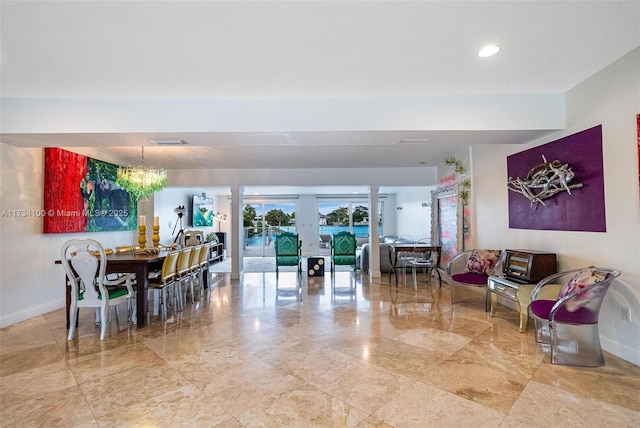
pixel 516 292
pixel 315 266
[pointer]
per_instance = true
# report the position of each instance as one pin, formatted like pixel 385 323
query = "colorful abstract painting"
pixel 81 195
pixel 448 212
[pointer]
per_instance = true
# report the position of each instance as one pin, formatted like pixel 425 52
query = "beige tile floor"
pixel 359 354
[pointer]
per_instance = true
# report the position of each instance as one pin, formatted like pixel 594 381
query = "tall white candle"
pixel 156 220
pixel 142 221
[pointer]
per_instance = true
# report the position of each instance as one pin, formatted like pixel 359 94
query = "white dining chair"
pixel 85 264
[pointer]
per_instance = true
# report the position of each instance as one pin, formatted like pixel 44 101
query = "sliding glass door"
pixel 350 216
pixel 262 221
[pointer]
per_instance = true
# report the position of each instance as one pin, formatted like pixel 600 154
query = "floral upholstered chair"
pixel 568 324
pixel 470 270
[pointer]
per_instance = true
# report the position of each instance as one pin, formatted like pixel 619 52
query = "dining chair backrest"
pixel 204 254
pixel 194 259
pixel 183 261
pixel 85 263
pixel 169 267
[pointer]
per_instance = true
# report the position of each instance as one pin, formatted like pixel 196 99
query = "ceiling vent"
pixel 424 140
pixel 174 142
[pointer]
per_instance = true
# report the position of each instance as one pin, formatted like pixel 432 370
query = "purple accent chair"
pixel 463 280
pixel 568 325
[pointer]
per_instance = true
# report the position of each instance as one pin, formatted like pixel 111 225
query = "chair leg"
pixel 133 301
pixel 73 317
pixel 576 345
pixel 104 313
pixel 163 302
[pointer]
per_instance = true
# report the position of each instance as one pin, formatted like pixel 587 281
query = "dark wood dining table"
pixel 410 247
pixel 130 262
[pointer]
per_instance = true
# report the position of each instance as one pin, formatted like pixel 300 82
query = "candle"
pixel 156 220
pixel 142 221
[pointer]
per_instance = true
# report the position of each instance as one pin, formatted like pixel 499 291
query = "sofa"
pixel 363 261
pixel 362 258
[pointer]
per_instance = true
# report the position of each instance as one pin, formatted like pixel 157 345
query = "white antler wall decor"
pixel 544 181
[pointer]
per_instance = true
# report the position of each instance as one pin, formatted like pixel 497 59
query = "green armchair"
pixel 288 251
pixel 343 250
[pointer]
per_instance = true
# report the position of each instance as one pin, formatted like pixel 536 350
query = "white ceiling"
pixel 257 52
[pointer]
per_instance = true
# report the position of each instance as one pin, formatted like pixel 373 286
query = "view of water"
pixel 359 231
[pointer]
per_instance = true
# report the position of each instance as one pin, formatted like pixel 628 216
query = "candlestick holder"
pixel 142 236
pixel 156 236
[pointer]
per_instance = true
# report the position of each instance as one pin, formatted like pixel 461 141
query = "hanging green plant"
pixel 464 185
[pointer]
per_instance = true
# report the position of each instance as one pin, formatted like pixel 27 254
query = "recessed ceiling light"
pixel 173 142
pixel 488 50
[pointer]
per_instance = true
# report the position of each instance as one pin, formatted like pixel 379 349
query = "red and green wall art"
pixel 80 195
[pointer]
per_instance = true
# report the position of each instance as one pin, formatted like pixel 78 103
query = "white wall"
pixel 611 98
pixel 30 282
pixel 414 219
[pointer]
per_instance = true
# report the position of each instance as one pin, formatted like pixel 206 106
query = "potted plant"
pixel 211 237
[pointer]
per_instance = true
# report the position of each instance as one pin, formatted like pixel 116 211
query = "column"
pixel 374 242
pixel 237 231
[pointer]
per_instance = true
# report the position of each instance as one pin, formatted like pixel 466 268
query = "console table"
pixel 216 252
pixel 519 293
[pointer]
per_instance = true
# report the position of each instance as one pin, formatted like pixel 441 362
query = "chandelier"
pixel 141 182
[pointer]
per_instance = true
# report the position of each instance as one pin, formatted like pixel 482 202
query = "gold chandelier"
pixel 141 182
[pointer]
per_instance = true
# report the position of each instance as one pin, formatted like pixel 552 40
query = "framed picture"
pixel 202 211
pixel 446 222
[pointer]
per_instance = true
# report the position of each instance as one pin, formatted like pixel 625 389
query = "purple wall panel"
pixel 584 209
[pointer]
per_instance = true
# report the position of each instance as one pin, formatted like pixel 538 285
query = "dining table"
pixel 130 262
pixel 416 248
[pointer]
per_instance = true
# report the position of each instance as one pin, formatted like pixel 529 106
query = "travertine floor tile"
pixel 36 357
pixel 348 351
pixel 25 335
pixel 27 384
pixel 247 385
pixel 551 406
pixel 617 382
pixel 110 393
pixel 181 406
pixel 361 384
pixel 421 406
pixel 95 366
pixel 64 408
pixel 305 406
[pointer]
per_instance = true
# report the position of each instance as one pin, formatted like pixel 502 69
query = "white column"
pixel 237 233
pixel 374 242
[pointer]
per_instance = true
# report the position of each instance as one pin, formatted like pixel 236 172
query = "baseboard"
pixel 620 350
pixel 31 312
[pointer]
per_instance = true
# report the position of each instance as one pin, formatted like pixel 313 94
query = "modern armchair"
pixel 569 325
pixel 343 250
pixel 470 270
pixel 288 251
